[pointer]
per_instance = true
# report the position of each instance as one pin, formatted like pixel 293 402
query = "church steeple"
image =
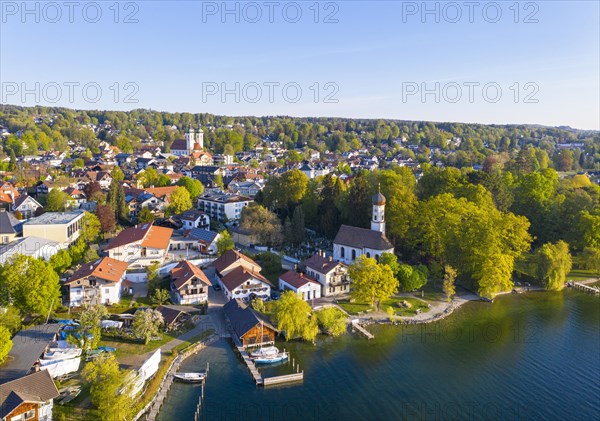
pixel 378 219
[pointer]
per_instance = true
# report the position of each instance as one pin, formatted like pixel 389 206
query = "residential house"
pixel 245 284
pixel 189 285
pixel 28 398
pixel 246 188
pixel 251 328
pixel 8 194
pixel 102 177
pixel 142 244
pixel 77 196
pixel 7 227
pixel 332 275
pixel 62 227
pixel 231 260
pixel 98 282
pixel 175 316
pixel 243 237
pixel 143 163
pixel 223 207
pixel 26 205
pixel 206 241
pixel 205 173
pixel 201 158
pixel 306 287
pixel 194 219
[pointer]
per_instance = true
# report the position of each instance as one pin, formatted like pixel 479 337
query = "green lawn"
pixel 354 308
pixel 125 347
pixel 581 275
pixel 193 340
pixel 395 303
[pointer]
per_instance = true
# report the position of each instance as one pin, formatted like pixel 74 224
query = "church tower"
pixel 200 139
pixel 190 139
pixel 378 219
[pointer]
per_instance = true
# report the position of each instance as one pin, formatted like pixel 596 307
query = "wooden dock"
pixel 286 378
pixel 583 287
pixel 356 326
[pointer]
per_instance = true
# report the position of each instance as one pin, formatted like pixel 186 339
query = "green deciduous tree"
pixel 90 228
pixel 371 282
pixel 448 282
pixel 5 343
pixel 193 186
pixel 180 201
pixel 109 388
pixel 147 323
pixel 262 222
pixel 333 321
pixel 591 259
pixel 89 325
pixel 294 316
pixel 411 278
pixel 31 285
pixel 160 296
pixel 57 201
pixel 145 216
pixel 553 264
pixel 61 261
pixel 225 242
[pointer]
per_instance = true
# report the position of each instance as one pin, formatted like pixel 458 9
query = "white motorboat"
pixel 190 377
pixel 63 354
pixel 265 352
pixel 269 359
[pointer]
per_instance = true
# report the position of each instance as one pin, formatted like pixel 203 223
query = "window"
pixel 30 414
pixel 106 291
pixel 343 252
pixel 368 254
pixel 353 254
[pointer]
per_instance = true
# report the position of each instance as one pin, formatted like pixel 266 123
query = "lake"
pixel 524 357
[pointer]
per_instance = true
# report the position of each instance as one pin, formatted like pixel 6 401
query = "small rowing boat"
pixel 190 377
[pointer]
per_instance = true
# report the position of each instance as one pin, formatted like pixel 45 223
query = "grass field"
pixel 581 275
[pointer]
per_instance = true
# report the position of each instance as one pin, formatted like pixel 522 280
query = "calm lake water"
pixel 524 357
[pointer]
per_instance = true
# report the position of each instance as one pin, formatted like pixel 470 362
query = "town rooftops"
pixel 28 346
pixel 29 246
pixel 184 272
pixel 55 218
pixel 179 145
pixel 230 257
pixel 297 280
pixel 203 235
pixel 239 275
pixel 36 387
pixel 22 198
pixel 146 234
pixel 106 268
pixel 362 238
pixel 7 223
pixel 321 263
pixel 191 215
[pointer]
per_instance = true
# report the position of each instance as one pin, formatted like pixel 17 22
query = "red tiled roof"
pixel 129 235
pixel 184 272
pixel 321 263
pixel 296 279
pixel 229 258
pixel 106 268
pixel 157 238
pixel 239 275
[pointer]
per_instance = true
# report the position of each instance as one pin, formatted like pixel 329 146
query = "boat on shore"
pixel 190 377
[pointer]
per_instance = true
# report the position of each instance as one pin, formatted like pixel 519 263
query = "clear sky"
pixel 487 62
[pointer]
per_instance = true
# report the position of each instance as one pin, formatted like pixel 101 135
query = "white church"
pixel 351 242
pixel 194 141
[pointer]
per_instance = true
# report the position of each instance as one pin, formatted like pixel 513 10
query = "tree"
pixel 160 296
pixel 262 222
pixel 90 228
pixel 391 260
pixel 225 242
pixel 93 192
pixel 449 278
pixel 77 250
pixel 30 284
pixel 106 216
pixel 298 231
pixel 411 278
pixel 333 321
pixel 180 201
pixel 193 186
pixel 147 323
pixel 57 201
pixel 89 325
pixel 5 343
pixel 146 215
pixel 117 174
pixel 371 282
pixel 116 200
pixel 293 316
pixel 78 163
pixel 12 164
pixel 219 181
pixel 591 259
pixel 61 261
pixel 553 264
pixel 109 388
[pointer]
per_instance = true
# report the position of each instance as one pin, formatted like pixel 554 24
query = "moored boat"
pixel 190 377
pixel 267 351
pixel 269 359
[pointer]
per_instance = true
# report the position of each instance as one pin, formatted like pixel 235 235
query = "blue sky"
pixel 374 59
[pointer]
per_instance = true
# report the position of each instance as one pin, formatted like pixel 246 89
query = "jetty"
pixel 356 326
pixel 583 287
pixel 247 360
